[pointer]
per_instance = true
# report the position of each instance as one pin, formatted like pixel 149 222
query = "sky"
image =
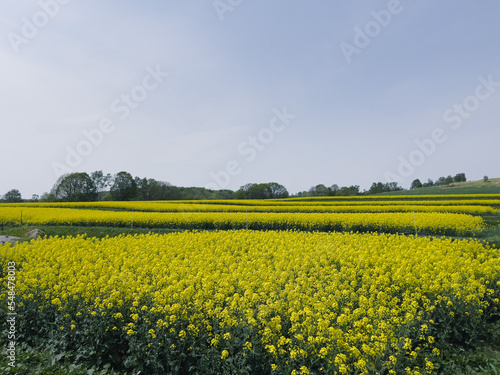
pixel 222 93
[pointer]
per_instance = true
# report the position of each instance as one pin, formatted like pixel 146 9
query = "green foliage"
pixel 76 187
pixel 271 190
pixel 334 190
pixel 379 187
pixel 483 359
pixel 12 196
pixel 45 360
pixel 124 187
pixel 460 177
pixel 121 187
pixel 416 184
pixel 101 181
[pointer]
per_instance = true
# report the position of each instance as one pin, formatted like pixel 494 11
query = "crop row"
pixel 471 207
pixel 431 223
pixel 255 302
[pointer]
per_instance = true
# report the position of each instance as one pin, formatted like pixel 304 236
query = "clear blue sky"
pixel 205 93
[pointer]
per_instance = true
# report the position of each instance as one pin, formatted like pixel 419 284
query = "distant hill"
pixel 492 186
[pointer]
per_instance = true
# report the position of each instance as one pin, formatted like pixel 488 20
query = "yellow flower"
pixel 271 349
pixel 429 366
pixel 225 354
pixel 303 295
pixel 323 352
pixel 407 344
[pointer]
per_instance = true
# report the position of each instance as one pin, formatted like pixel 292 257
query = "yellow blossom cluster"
pixel 293 302
pixel 428 222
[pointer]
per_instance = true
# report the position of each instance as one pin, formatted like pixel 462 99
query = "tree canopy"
pixel 270 190
pixel 13 196
pixel 75 187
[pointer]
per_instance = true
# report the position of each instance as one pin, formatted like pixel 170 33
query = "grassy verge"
pixel 492 186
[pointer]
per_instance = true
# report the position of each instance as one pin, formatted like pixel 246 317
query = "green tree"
pixel 170 192
pixel 459 177
pixel 429 183
pixel 278 191
pixel 261 191
pixel 101 182
pixel 243 191
pixel 416 184
pixel 319 191
pixel 376 188
pixel 148 189
pixel 379 187
pixel 440 181
pixel 48 197
pixel 393 186
pixel 333 189
pixel 76 187
pixel 223 194
pixel 13 196
pixel 124 187
pixel 349 190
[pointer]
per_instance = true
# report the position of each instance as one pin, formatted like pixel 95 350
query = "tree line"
pixel 334 190
pixel 97 186
pixel 441 181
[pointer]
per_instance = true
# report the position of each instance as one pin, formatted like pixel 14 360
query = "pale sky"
pixel 228 92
